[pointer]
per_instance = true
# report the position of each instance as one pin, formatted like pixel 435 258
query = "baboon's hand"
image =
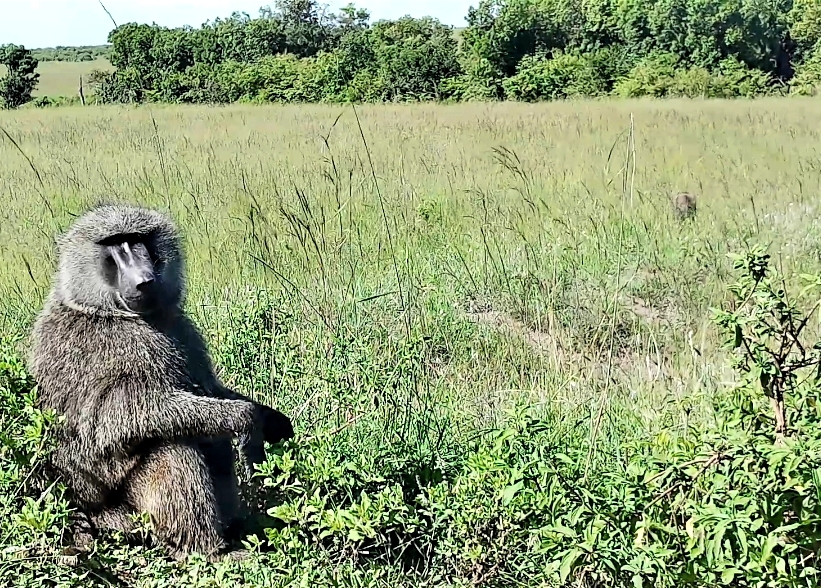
pixel 276 426
pixel 252 444
pixel 269 425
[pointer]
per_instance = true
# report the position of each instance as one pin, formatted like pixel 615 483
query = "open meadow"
pixel 471 312
pixel 62 78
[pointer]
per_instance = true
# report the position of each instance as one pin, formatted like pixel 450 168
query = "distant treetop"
pixel 81 53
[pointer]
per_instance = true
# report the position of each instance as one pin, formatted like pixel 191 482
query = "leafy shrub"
pixel 366 86
pixel 21 78
pixel 413 56
pixel 652 76
pixel 123 85
pixel 735 79
pixel 807 80
pixel 32 513
pixel 563 76
pixel 805 25
pixel 52 101
pixel 275 79
pixel 662 75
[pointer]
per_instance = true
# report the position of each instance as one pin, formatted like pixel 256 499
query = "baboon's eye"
pixel 152 253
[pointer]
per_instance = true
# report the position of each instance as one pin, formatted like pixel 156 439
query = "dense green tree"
pixel 413 56
pixel 21 76
pixel 520 49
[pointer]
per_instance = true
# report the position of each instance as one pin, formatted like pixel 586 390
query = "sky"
pixel 48 23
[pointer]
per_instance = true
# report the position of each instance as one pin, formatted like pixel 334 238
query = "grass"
pixel 511 253
pixel 62 78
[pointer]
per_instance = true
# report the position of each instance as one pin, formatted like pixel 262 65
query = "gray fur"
pixel 684 205
pixel 148 427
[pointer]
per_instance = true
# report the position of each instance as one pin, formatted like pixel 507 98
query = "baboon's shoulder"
pixel 78 357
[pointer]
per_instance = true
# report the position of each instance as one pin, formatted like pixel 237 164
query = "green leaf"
pixel 353 535
pixel 568 561
pixel 738 337
pixel 509 492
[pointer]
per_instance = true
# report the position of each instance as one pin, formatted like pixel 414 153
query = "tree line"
pixel 73 54
pixel 298 51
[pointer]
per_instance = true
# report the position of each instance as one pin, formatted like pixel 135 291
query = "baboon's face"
pixel 120 258
pixel 132 269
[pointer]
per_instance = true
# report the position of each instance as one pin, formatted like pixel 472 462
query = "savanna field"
pixel 498 345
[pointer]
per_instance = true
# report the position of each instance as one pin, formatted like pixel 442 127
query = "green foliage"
pixel 805 24
pixel 413 56
pixel 53 101
pixel 652 76
pixel 21 78
pixel 807 80
pixel 563 76
pixel 662 75
pixel 519 49
pixel 733 500
pixel 32 513
pixel 516 49
pixel 294 54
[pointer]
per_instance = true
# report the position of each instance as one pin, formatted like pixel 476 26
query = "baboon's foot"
pixel 81 535
pixel 230 555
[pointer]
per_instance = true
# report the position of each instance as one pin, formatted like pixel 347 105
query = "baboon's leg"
pixel 174 486
pixel 83 525
pixel 117 518
pixel 220 457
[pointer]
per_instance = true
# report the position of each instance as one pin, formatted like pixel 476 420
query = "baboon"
pixel 148 426
pixel 684 205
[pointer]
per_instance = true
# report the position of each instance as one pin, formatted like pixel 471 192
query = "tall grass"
pixel 399 284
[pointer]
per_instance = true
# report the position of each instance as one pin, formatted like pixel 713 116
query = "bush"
pixel 563 76
pixel 807 80
pixel 735 79
pixel 275 79
pixel 413 57
pixel 662 75
pixel 652 76
pixel 123 85
pixel 21 78
pixel 33 514
pixel 53 101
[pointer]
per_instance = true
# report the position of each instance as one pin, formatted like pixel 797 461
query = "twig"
pixel 340 428
pixel 108 13
pixel 708 464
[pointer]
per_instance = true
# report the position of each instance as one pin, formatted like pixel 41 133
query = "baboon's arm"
pixel 275 426
pixel 133 416
pixel 269 425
